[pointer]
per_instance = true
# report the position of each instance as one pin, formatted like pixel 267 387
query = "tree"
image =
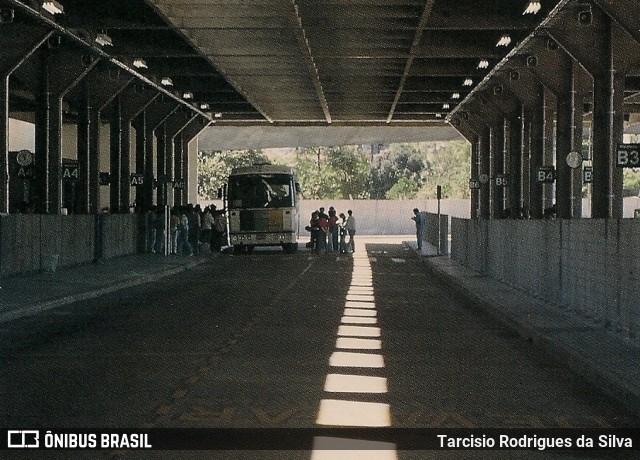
pixel 332 173
pixel 401 161
pixel 214 168
pixel 450 168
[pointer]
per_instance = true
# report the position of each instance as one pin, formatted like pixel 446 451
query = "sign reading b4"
pixel 546 174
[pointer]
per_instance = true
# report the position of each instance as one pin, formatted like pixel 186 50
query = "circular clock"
pixel 24 158
pixel 574 160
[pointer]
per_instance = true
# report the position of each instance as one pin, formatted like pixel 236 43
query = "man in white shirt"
pixel 350 225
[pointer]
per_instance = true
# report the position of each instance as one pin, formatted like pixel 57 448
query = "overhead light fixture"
pixel 140 63
pixel 532 8
pixel 483 64
pixel 455 96
pixel 166 81
pixel 467 82
pixel 204 106
pixel 217 115
pixel 103 39
pixel 187 95
pixel 445 106
pixel 505 40
pixel 53 7
pixel 585 15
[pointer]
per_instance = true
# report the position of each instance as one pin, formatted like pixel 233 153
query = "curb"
pixel 137 281
pixel 578 364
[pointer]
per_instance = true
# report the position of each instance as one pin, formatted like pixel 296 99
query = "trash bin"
pixel 50 262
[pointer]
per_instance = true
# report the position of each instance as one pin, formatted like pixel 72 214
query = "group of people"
pixel 329 232
pixel 190 227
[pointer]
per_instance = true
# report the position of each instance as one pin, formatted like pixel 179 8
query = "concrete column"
pixel 178 193
pixel 42 134
pixel 580 84
pixel 61 70
pixel 161 169
pixel 497 167
pixel 137 98
pixel 115 156
pixel 475 195
pixel 549 110
pixel 14 54
pixel 139 123
pixel 484 164
pixel 174 125
pixel 102 87
pixel 608 125
pixel 83 142
pixel 536 155
pixel 525 166
pixel 610 54
pixel 515 165
pixel 564 140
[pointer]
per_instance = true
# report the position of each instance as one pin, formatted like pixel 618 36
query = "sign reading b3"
pixel 628 156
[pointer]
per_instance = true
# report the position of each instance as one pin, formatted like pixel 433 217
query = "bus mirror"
pixel 220 193
pixel 297 187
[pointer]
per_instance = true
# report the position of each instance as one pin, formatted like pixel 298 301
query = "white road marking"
pixel 354 343
pixel 352 359
pixel 337 383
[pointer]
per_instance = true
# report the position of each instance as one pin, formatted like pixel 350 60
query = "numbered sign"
pixel 474 184
pixel 628 156
pixel 25 172
pixel 587 175
pixel 137 179
pixel 70 170
pixel 546 174
pixel 178 184
pixel 502 180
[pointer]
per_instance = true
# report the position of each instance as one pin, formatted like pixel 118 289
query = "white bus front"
pixel 263 209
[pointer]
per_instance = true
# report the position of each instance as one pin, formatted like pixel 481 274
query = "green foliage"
pixel 332 173
pixel 631 181
pixel 403 171
pixel 404 189
pixel 403 161
pixel 450 168
pixel 214 168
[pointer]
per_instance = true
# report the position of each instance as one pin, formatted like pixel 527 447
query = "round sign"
pixel 574 160
pixel 24 158
pixel 483 178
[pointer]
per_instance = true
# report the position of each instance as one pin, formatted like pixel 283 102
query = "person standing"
pixel 194 228
pixel 207 227
pixel 323 226
pixel 350 225
pixel 418 218
pixel 333 231
pixel 183 244
pixel 218 230
pixel 174 225
pixel 343 233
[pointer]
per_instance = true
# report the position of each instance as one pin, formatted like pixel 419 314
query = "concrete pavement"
pixel 587 349
pixel 29 294
pixel 591 352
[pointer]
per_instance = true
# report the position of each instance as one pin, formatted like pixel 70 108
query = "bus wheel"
pixel 238 249
pixel 250 249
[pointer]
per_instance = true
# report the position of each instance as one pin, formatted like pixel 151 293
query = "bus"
pixel 262 208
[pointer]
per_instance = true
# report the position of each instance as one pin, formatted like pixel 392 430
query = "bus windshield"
pixel 260 191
